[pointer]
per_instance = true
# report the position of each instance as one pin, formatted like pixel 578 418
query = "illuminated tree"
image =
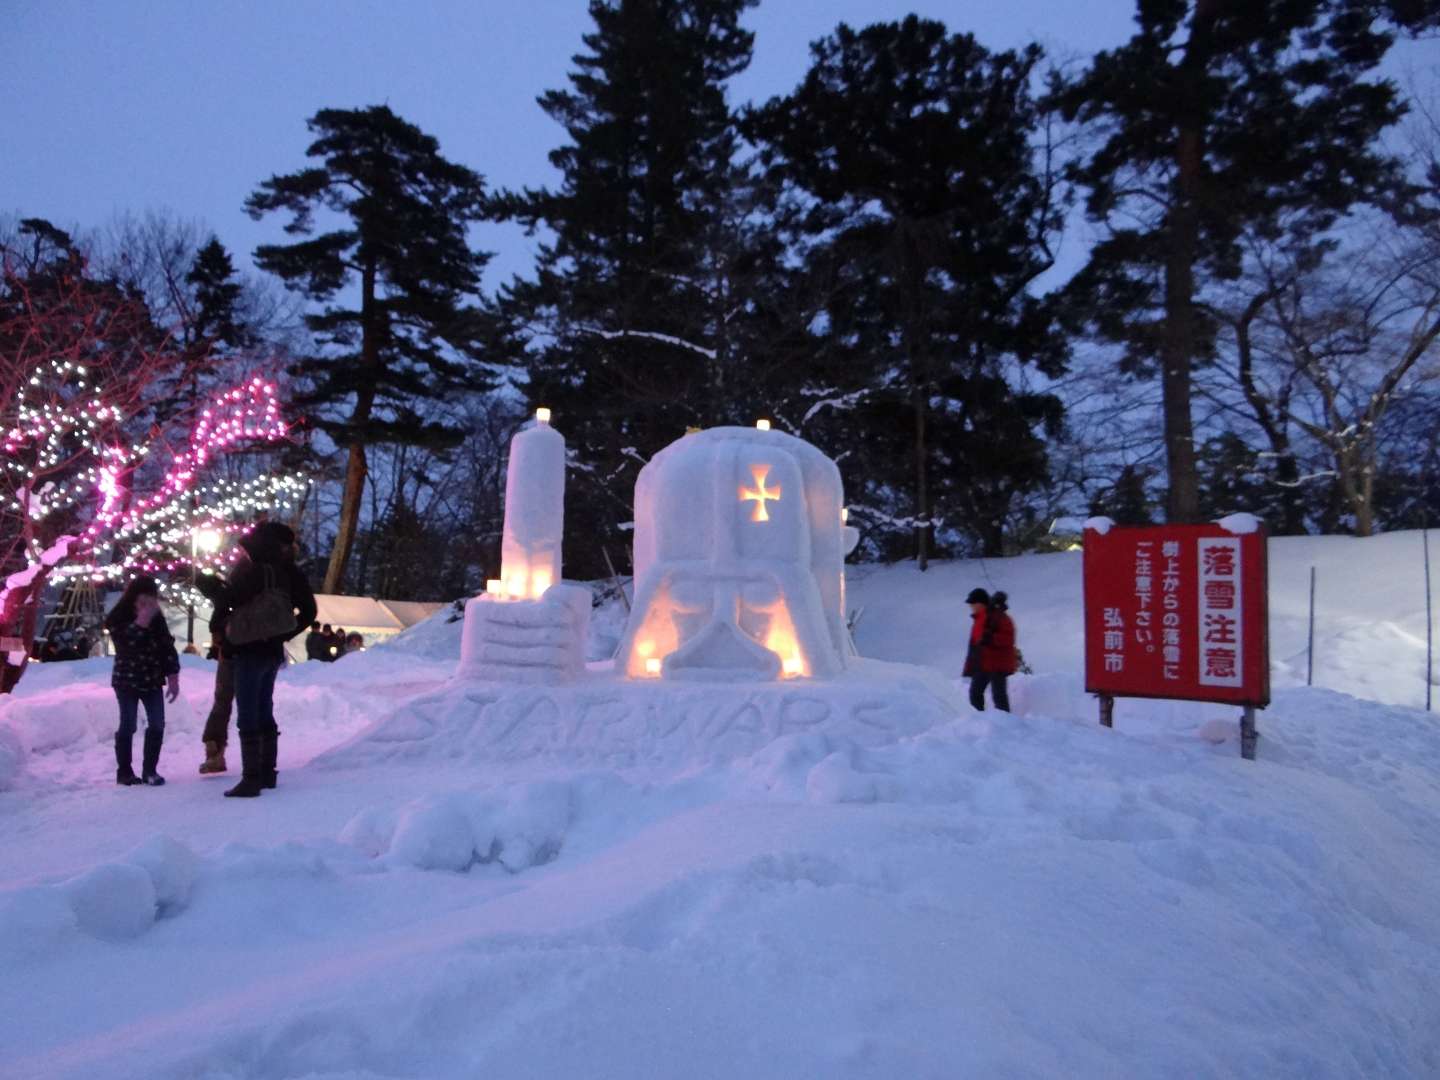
pixel 80 362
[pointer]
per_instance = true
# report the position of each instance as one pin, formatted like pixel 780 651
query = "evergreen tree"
pixel 931 213
pixel 410 338
pixel 629 316
pixel 217 297
pixel 1221 119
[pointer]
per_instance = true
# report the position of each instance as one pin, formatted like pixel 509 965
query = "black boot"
pixel 249 785
pixel 268 751
pixel 124 771
pixel 153 741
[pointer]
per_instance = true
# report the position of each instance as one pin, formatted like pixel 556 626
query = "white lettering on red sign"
pixel 1221 629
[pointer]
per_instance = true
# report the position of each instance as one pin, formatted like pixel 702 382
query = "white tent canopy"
pixel 374 620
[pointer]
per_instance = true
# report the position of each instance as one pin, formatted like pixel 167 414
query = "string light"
pixel 141 534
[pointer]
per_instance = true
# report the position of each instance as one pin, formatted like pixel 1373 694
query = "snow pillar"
pixel 534 511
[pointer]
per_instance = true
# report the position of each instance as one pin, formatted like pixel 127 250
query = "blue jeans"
pixel 130 702
pixel 255 694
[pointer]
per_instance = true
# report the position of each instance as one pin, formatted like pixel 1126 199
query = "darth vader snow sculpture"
pixel 739 553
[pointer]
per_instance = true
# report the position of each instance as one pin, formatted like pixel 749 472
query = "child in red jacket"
pixel 992 657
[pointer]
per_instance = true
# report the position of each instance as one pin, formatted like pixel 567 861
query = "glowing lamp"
pixel 494 586
pixel 515 586
pixel 542 416
pixel 793 666
pixel 652 665
pixel 540 580
pixel 762 425
pixel 844 515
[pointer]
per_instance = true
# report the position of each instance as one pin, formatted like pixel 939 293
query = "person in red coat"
pixel 991 658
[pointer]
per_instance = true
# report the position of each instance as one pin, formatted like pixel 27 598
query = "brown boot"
pixel 214 758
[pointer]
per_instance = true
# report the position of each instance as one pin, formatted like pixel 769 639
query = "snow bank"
pixel 480 882
pixel 12 758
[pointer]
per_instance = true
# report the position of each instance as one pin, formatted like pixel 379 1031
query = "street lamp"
pixel 208 541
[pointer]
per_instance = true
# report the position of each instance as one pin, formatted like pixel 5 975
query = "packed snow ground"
pixel 1014 896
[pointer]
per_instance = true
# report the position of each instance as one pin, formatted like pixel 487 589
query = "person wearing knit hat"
pixel 992 657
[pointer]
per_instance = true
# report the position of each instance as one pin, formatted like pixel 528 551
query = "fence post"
pixel 1248 734
pixel 1310 639
pixel 1107 711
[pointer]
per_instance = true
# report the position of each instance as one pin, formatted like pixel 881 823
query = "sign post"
pixel 1178 611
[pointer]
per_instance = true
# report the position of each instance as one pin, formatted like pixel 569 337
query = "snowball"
pixel 1218 730
pixel 434 834
pixel 369 831
pixel 531 829
pixel 172 868
pixel 1101 525
pixel 1239 524
pixel 114 901
pixel 12 758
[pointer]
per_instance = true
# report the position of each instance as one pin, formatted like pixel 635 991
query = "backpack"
pixel 269 615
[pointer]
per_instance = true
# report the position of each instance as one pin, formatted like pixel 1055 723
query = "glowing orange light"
pixel 793 666
pixel 539 582
pixel 494 586
pixel 759 494
pixel 762 425
pixel 652 665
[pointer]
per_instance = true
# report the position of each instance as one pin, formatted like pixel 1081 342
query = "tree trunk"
pixel 922 488
pixel 23 622
pixel 1287 472
pixel 1177 350
pixel 356 469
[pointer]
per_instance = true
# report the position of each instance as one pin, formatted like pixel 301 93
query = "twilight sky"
pixel 182 105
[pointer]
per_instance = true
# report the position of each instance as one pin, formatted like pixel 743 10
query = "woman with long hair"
pixel 146 672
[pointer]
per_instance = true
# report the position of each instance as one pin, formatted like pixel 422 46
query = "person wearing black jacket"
pixel 146 672
pixel 268 561
pixel 315 643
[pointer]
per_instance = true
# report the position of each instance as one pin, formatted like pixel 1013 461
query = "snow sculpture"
pixel 527 627
pixel 739 553
pixel 534 510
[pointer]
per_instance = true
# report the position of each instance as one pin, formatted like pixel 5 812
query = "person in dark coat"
pixel 216 736
pixel 146 672
pixel 315 644
pixel 267 561
pixel 992 657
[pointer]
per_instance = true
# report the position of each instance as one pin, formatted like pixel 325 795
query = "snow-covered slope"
pixel 1025 896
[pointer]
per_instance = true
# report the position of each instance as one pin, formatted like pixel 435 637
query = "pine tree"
pixel 932 216
pixel 414 338
pixel 628 316
pixel 217 297
pixel 1221 119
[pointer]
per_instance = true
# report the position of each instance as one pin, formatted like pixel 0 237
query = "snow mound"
pixel 517 830
pixel 619 723
pixel 12 758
